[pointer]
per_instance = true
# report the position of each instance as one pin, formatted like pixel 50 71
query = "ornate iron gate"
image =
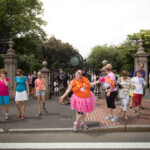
pixel 75 62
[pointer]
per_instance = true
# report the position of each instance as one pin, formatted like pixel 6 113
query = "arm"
pixel 27 85
pixel 94 83
pixel 14 89
pixel 6 82
pixel 67 92
pixel 111 87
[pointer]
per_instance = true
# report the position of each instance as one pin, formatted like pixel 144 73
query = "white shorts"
pixel 21 96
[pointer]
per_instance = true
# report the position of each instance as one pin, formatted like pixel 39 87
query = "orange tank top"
pixel 81 88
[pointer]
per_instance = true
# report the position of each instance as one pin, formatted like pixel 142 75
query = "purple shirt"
pixel 143 73
pixel 3 88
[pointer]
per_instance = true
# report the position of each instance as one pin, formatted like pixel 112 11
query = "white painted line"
pixel 40 129
pixel 1 130
pixel 104 145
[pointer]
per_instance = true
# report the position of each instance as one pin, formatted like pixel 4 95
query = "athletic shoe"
pixel 75 126
pixel 137 114
pixel 141 107
pixel 114 119
pixel 83 125
pixel 6 117
pixel 109 117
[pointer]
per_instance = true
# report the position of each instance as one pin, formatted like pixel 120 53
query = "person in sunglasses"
pixel 82 100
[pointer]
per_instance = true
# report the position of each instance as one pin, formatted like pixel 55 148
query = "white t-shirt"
pixel 138 83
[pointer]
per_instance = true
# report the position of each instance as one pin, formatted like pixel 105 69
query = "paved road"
pixel 72 140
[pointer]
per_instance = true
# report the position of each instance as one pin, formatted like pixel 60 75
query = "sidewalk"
pixel 62 117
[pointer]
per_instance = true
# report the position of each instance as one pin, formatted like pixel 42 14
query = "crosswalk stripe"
pixel 104 145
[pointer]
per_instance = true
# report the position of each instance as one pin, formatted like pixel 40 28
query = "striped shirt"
pixel 126 84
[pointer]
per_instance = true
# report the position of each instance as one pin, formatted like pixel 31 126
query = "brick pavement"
pixel 101 112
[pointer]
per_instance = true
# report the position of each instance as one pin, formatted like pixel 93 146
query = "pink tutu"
pixel 83 104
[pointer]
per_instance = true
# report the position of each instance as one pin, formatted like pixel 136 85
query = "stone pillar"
pixel 46 72
pixel 103 74
pixel 141 57
pixel 10 64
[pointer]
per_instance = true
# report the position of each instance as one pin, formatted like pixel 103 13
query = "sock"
pixel 6 114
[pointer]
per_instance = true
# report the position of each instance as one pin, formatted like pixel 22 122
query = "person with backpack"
pixel 62 79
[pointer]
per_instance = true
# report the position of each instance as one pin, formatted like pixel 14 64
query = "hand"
pixel 28 93
pixel 3 76
pixel 108 94
pixel 61 98
pixel 133 87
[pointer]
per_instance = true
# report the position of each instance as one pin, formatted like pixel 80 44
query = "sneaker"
pixel 137 114
pixel 6 117
pixel 114 119
pixel 83 125
pixel 75 126
pixel 141 107
pixel 109 117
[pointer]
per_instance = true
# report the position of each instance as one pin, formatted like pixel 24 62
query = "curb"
pixel 118 128
pixel 138 128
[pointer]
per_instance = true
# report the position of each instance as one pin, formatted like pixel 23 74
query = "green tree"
pixel 100 53
pixel 20 17
pixel 56 53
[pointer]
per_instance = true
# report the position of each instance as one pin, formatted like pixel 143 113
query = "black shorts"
pixel 111 100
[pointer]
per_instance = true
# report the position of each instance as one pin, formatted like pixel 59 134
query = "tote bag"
pixel 120 93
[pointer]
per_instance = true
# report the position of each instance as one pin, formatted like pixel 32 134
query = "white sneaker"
pixel 75 126
pixel 6 117
pixel 114 119
pixel 109 117
pixel 83 125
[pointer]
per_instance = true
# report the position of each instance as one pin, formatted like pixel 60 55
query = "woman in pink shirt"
pixel 4 92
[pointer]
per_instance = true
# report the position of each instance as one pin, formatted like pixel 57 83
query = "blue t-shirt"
pixel 21 83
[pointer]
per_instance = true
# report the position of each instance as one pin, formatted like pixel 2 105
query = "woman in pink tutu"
pixel 82 100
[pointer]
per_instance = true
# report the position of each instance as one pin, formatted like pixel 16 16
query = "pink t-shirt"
pixel 107 85
pixel 3 88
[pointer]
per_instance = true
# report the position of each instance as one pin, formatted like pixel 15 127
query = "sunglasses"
pixel 141 66
pixel 79 72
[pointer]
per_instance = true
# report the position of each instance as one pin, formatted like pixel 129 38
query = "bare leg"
pixel 78 117
pixel 43 100
pixel 18 106
pixel 39 107
pixel 83 118
pixel 6 109
pixel 114 112
pixel 23 107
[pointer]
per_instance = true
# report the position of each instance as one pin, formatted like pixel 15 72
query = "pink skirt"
pixel 85 105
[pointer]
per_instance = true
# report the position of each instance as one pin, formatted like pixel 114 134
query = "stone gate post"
pixel 103 74
pixel 46 72
pixel 10 64
pixel 142 57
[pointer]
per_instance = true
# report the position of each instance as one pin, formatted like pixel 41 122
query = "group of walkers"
pixel 82 97
pixel 83 100
pixel 22 91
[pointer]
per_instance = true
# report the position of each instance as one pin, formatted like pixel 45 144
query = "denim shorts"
pixel 40 93
pixel 4 100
